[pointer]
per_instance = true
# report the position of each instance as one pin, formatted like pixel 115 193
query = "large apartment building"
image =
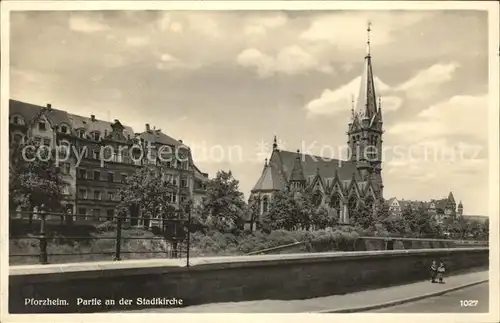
pixel 95 174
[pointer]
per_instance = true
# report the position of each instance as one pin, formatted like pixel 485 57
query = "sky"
pixel 227 82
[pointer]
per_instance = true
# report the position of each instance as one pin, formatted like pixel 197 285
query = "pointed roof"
pixel 366 106
pixel 269 180
pixel 297 173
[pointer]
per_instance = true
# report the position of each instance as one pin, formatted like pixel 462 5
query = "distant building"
pixel 92 186
pixel 440 209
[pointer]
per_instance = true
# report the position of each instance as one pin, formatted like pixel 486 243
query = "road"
pixel 446 303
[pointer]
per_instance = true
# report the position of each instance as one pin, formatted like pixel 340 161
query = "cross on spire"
pixel 368 30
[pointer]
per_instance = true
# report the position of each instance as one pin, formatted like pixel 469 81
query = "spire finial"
pixel 265 162
pixel 275 143
pixel 368 30
pixel 352 105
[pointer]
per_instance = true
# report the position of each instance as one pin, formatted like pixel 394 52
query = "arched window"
pixel 335 202
pixel 369 202
pixel 352 203
pixel 317 198
pixel 265 204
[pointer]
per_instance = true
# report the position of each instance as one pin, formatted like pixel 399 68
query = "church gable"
pixel 353 189
pixel 317 184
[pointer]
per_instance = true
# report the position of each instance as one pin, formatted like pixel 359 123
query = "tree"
pixel 283 211
pixel 34 178
pixel 152 194
pixel 363 216
pixel 224 205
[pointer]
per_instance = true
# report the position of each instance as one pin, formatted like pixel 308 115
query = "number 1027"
pixel 468 303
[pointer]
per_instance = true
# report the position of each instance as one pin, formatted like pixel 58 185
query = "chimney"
pixel 92 117
pixel 147 127
pixel 180 140
pixel 49 106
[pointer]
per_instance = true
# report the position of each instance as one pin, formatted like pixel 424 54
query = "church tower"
pixel 365 128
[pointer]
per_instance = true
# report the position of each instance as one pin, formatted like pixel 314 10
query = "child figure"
pixel 440 272
pixel 434 268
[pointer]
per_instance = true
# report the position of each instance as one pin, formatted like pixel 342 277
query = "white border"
pixel 494 85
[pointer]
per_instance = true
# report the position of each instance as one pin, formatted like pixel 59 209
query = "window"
pixel 97 136
pixel 174 180
pixel 95 154
pixel 46 141
pixel 184 182
pixel 110 196
pixel 265 204
pixel 16 120
pixel 169 164
pixel 18 138
pixel 97 175
pixel 97 195
pixel 174 197
pixel 81 133
pixel 82 211
pixel 111 177
pixel 110 214
pixel 64 129
pixel 65 190
pixel 183 199
pixel 42 126
pixel 82 193
pixel 124 178
pixel 97 214
pixel 82 173
pixel 66 168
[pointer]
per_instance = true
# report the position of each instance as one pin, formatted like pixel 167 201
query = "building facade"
pixel 101 157
pixel 338 184
pixel 440 209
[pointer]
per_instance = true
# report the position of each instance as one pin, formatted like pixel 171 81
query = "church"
pixel 338 184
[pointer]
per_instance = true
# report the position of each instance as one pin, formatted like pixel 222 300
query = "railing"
pixel 175 232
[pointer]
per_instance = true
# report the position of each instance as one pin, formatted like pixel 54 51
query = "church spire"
pixel 366 106
pixel 368 30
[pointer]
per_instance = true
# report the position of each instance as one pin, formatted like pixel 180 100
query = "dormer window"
pixel 17 120
pixel 96 136
pixel 81 133
pixel 42 126
pixel 64 129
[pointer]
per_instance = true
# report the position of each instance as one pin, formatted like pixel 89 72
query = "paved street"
pixel 353 300
pixel 446 303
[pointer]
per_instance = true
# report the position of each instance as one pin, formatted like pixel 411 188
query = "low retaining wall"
pixel 221 279
pixel 375 243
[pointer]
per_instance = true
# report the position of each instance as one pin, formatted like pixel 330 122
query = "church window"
pixel 317 198
pixel 335 202
pixel 265 204
pixel 352 204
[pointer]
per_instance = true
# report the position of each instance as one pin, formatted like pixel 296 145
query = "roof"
pixel 30 111
pixel 312 164
pixel 269 180
pixel 159 137
pixel 90 125
pixel 366 105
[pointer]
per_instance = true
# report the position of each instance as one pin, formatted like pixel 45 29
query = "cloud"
pixel 203 24
pixel 348 30
pixel 290 60
pixel 426 82
pixel 460 115
pixel 84 24
pixel 136 41
pixel 259 25
pixel 332 102
pixel 113 61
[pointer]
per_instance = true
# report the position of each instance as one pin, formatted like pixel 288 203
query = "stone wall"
pixel 211 280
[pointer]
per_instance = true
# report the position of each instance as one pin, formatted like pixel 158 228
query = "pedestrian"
pixel 440 272
pixel 434 268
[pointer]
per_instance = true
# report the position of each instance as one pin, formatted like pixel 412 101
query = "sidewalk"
pixel 339 303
